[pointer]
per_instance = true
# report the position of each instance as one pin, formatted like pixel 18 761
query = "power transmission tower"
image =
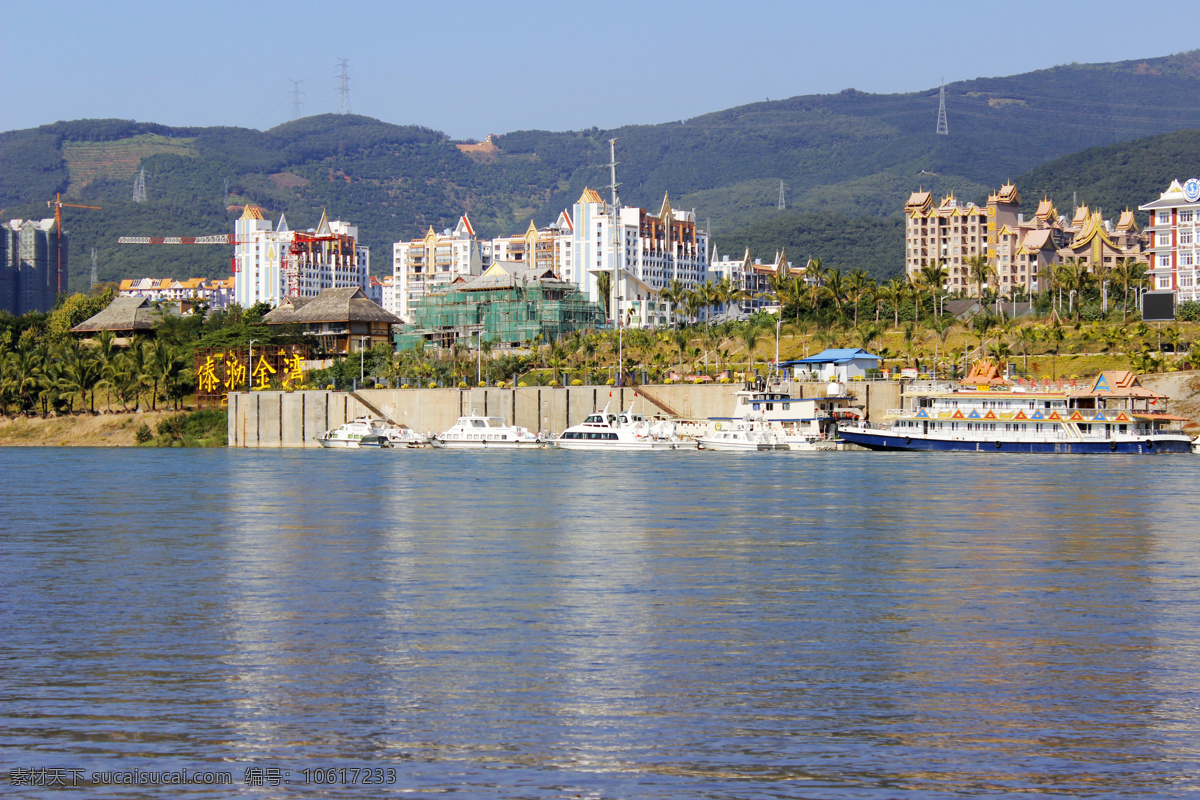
pixel 297 98
pixel 782 198
pixel 139 186
pixel 226 198
pixel 343 87
pixel 942 127
pixel 95 270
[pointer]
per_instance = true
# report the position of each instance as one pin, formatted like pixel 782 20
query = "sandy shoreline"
pixel 81 430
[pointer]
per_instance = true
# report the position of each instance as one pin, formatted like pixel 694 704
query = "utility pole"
pixel 942 127
pixel 343 87
pixel 297 98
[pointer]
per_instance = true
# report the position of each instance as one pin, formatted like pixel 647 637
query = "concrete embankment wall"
pixel 294 419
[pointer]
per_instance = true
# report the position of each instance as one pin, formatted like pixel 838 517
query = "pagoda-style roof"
pixel 122 315
pixel 589 196
pixel 1119 383
pixel 1127 221
pixel 985 373
pixel 1046 211
pixel 1007 194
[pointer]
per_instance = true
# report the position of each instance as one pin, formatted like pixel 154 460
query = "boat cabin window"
pixel 478 423
pixel 594 418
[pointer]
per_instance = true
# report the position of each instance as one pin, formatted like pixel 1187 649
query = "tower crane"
pixel 300 242
pixel 58 206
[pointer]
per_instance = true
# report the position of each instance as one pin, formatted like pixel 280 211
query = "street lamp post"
pixel 361 360
pixel 778 325
pixel 478 357
pixel 250 367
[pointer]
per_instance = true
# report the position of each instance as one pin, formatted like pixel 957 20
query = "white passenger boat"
pixel 801 423
pixel 625 430
pixel 749 434
pixel 475 431
pixel 357 433
pixel 987 413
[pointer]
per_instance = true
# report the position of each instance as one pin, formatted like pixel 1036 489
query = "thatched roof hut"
pixel 124 316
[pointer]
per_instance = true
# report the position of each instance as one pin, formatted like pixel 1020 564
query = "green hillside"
pixel 841 156
pixel 1108 179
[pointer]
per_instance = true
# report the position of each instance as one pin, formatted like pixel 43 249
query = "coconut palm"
pixel 858 283
pixel 979 270
pixel 894 293
pixel 934 277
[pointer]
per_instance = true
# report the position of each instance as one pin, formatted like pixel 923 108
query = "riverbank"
pixel 119 429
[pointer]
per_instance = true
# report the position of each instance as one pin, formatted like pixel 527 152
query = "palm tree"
pixel 857 283
pixel 934 276
pixel 604 289
pixel 750 335
pixel 894 293
pixel 979 270
pixel 673 294
pixel 1128 272
pixel 1026 336
pixel 835 287
pixel 1076 278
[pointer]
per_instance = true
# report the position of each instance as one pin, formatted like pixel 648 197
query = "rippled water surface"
pixel 551 624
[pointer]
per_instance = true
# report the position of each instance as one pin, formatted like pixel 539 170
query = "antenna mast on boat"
pixel 615 246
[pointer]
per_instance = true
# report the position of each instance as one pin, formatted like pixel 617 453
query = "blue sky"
pixel 472 68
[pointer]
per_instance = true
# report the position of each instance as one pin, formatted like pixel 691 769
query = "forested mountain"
pixel 1108 179
pixel 842 157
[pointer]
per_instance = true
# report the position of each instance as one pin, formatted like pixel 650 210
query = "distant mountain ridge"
pixel 850 154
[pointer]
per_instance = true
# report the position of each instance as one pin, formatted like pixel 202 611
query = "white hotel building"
pixel 652 251
pixel 327 257
pixel 1174 249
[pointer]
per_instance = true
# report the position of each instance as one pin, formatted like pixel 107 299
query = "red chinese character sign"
pixel 221 371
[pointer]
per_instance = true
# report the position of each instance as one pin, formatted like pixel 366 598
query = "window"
pixel 1164 261
pixel 1185 216
pixel 1164 218
pixel 1164 239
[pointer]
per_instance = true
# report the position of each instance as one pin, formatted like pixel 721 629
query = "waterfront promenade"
pixel 293 419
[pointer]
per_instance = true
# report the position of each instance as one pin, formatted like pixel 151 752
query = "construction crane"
pixel 58 206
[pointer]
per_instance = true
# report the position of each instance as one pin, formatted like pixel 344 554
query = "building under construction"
pixel 507 304
pixel 29 262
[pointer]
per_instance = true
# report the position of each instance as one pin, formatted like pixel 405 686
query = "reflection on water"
pixel 559 624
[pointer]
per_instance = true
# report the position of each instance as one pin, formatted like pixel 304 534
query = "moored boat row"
pixel 985 413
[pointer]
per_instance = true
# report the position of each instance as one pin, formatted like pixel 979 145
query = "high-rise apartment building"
pixel 1173 251
pixel 274 262
pixel 1019 250
pixel 29 263
pixel 434 260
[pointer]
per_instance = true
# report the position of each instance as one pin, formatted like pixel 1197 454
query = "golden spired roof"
pixel 1007 194
pixel 665 213
pixel 1046 211
pixel 1127 222
pixel 589 196
pixel 252 212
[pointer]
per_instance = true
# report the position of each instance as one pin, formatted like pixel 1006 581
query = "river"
pixel 557 625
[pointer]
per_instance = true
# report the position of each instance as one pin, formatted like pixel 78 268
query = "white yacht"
pixel 802 423
pixel 751 433
pixel 625 430
pixel 475 431
pixel 357 433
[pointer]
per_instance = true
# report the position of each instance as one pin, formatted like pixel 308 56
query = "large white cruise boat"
pixel 624 430
pixel 987 413
pixel 475 431
pixel 800 423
